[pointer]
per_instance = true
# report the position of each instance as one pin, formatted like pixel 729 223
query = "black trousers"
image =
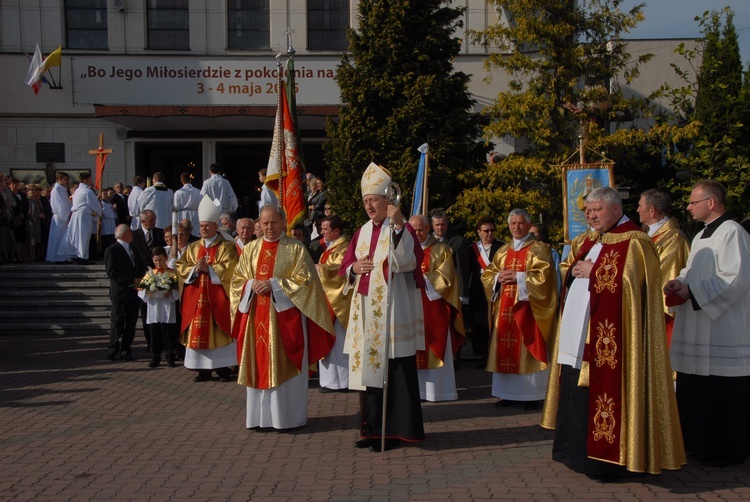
pixel 124 314
pixel 163 339
pixel 403 409
pixel 571 432
pixel 714 415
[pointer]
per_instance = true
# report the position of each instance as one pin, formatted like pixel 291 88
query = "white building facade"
pixel 176 85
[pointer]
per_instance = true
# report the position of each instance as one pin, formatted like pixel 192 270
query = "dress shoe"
pixel 153 363
pixel 202 377
pixel 125 356
pixel 365 443
pixel 325 390
pixel 111 357
pixel 390 443
pixel 713 460
pixel 505 403
pixel 531 405
pixel 225 378
pixel 170 362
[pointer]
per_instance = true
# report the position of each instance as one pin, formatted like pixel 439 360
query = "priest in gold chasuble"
pixel 205 272
pixel 521 287
pixel 444 325
pixel 333 370
pixel 281 323
pixel 366 269
pixel 610 396
pixel 654 208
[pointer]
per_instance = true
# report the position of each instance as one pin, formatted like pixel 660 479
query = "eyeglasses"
pixel 694 202
pixel 487 230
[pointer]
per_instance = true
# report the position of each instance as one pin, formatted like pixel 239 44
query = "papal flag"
pixel 38 66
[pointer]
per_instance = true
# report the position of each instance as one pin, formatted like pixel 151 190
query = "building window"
pixel 327 21
pixel 248 24
pixel 86 24
pixel 168 25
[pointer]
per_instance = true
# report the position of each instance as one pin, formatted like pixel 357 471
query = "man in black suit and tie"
pixel 480 255
pixel 124 268
pixel 145 239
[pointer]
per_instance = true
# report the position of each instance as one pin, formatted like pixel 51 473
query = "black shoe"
pixel 604 478
pixel 505 403
pixel 170 363
pixel 125 356
pixel 111 357
pixel 531 405
pixel 325 390
pixel 365 442
pixel 202 377
pixel 153 363
pixel 225 378
pixel 390 443
pixel 713 460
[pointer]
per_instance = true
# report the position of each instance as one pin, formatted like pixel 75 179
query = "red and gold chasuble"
pixel 439 316
pixel 203 301
pixel 516 326
pixel 289 323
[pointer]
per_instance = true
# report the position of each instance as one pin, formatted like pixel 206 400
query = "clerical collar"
pixel 711 227
pixel 517 243
pixel 424 242
pixel 269 240
pixel 209 240
pixel 622 220
pixel 652 229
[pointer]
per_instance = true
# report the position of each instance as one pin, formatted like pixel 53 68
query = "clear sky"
pixel 675 19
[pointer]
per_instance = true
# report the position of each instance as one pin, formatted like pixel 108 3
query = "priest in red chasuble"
pixel 333 369
pixel 610 396
pixel 521 288
pixel 281 322
pixel 444 326
pixel 205 272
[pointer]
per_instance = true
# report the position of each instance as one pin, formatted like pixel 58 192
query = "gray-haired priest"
pixel 205 272
pixel 281 323
pixel 366 267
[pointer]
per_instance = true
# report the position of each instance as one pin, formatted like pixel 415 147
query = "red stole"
pixel 438 316
pixel 604 352
pixel 203 302
pixel 515 322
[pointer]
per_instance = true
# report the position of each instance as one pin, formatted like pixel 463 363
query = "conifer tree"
pixel 399 90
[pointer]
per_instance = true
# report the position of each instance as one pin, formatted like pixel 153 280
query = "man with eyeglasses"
pixel 711 343
pixel 480 255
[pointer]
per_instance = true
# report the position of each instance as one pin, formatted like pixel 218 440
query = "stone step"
pixel 39 275
pixel 60 328
pixel 57 302
pixel 41 315
pixel 77 293
pixel 56 284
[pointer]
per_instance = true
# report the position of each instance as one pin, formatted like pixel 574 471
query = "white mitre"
pixel 375 180
pixel 209 210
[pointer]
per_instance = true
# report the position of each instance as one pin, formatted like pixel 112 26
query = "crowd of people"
pixel 591 337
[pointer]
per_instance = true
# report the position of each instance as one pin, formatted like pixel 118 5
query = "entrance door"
pixel 172 159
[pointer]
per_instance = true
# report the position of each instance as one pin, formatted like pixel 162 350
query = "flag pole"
pixel 279 133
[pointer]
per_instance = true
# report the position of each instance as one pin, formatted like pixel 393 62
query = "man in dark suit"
pixel 145 239
pixel 124 268
pixel 480 255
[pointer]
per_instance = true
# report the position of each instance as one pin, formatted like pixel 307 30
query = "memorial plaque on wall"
pixel 50 152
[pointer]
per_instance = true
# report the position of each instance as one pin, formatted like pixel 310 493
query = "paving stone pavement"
pixel 76 427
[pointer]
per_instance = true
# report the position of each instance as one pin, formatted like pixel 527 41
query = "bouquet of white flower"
pixel 157 282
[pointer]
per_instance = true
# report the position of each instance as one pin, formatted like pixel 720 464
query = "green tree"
pixel 710 138
pixel 399 90
pixel 564 59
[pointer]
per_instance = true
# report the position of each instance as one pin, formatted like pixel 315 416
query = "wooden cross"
pixel 100 153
